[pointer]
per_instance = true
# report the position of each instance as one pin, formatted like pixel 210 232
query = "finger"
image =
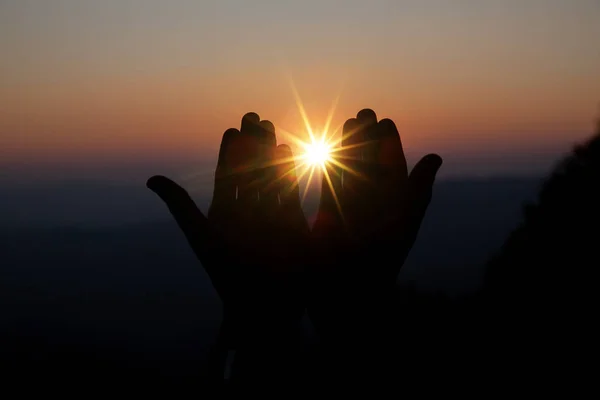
pixel 190 219
pixel 225 186
pixel 287 179
pixel 249 149
pixel 366 116
pixel 368 122
pixel 267 191
pixel 391 153
pixel 267 138
pixel 420 187
pixel 351 155
pixel 393 175
pixel 371 196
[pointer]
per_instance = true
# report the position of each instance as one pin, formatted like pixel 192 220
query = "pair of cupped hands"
pixel 265 262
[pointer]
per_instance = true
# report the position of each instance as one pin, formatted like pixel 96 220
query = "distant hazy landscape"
pixel 103 269
pixel 74 225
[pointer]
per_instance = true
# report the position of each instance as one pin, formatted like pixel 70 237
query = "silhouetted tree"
pixel 540 285
pixel 555 246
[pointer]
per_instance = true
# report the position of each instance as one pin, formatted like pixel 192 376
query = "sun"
pixel 317 152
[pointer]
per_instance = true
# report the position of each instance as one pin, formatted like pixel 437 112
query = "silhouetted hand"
pixel 364 231
pixel 252 242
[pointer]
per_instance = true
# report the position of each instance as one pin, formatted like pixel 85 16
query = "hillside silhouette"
pixel 540 285
pixel 555 244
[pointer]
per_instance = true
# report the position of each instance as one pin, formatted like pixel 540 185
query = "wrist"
pixel 345 315
pixel 260 333
pixel 260 353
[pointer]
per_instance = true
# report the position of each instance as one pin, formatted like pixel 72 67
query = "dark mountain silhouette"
pixel 555 244
pixel 544 274
pixel 541 282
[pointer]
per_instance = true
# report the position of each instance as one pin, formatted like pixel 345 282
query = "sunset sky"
pixel 114 81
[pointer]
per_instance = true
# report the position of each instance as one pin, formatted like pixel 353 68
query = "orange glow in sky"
pixel 148 78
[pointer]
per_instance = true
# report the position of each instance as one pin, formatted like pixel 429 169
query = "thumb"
pixel 420 182
pixel 190 219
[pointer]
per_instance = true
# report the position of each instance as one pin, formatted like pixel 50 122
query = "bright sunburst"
pixel 317 152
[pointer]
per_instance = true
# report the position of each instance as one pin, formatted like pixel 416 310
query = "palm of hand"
pixel 251 243
pixel 368 223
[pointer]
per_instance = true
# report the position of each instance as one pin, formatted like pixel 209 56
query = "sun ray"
pixel 320 152
pixel 279 161
pixel 330 115
pixel 303 173
pixel 348 147
pixel 350 134
pixel 334 194
pixel 297 181
pixel 331 136
pixel 302 111
pixel 308 182
pixel 284 175
pixel 290 171
pixel 346 168
pixel 292 137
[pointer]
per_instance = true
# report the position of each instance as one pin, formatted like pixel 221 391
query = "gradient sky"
pixel 88 81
